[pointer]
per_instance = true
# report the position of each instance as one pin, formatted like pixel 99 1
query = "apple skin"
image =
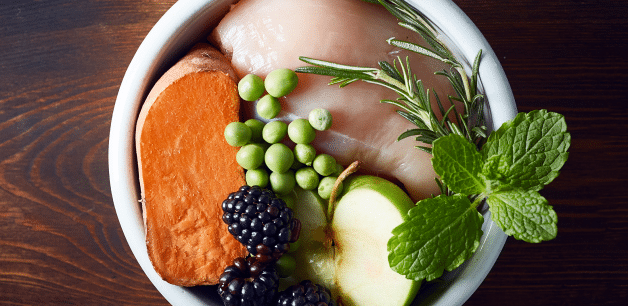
pixel 349 256
pixel 389 190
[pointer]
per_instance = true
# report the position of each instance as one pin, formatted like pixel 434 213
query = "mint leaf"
pixel 459 164
pixel 523 214
pixel 495 167
pixel 531 148
pixel 439 234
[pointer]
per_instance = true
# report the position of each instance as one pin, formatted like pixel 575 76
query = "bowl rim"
pixel 156 52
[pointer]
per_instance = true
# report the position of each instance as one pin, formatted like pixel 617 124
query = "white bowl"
pixel 186 23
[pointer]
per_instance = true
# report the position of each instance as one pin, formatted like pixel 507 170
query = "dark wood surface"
pixel 61 63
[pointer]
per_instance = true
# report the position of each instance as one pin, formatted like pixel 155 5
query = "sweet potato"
pixel 186 168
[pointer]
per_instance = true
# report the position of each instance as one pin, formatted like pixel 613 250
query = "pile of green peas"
pixel 264 151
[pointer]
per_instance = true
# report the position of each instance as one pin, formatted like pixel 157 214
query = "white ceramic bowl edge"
pixel 187 22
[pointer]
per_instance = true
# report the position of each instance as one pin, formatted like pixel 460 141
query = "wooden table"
pixel 61 63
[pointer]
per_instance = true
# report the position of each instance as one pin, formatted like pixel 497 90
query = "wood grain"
pixel 568 57
pixel 61 63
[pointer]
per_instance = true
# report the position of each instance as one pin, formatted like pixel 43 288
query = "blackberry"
pixel 305 293
pixel 260 221
pixel 248 282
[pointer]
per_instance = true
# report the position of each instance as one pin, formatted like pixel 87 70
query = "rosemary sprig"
pixel 414 100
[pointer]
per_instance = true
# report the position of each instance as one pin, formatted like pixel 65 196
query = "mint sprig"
pixel 517 161
pixel 439 234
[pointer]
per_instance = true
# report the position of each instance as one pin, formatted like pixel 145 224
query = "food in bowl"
pixel 185 167
pixel 357 84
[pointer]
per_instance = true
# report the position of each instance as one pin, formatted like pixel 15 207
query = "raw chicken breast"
pixel 263 35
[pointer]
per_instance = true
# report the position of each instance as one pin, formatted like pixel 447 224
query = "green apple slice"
pixel 362 224
pixel 314 257
pixel 349 256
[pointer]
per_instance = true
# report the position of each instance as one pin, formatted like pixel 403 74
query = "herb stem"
pixel 381 75
pixel 424 115
pixel 478 200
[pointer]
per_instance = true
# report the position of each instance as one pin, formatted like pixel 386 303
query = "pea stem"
pixel 335 190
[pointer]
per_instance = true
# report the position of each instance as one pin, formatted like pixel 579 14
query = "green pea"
pixel 304 153
pixel 307 178
pixel 324 164
pixel 326 185
pixel 281 82
pixel 274 131
pixel 300 131
pixel 268 107
pixel 285 265
pixel 250 156
pixel 320 119
pixel 251 87
pixel 278 158
pixel 256 127
pixel 237 134
pixel 282 183
pixel 257 177
pixel 339 169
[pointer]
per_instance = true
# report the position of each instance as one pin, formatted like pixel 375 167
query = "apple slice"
pixel 367 212
pixel 314 257
pixel 349 255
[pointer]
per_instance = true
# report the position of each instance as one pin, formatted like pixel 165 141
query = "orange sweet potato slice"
pixel 186 168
